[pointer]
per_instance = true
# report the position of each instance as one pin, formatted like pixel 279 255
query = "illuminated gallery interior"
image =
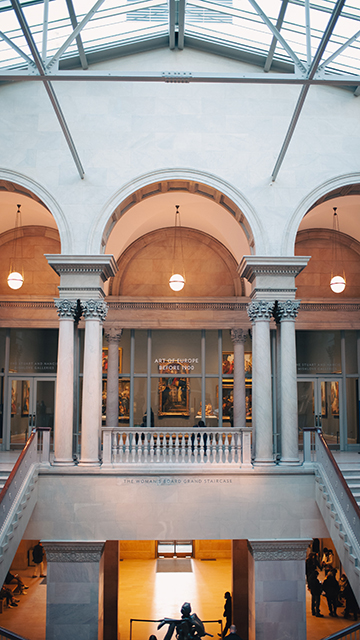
pixel 179 294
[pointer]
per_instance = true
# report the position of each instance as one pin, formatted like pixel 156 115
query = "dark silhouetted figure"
pixel 227 613
pixel 331 589
pixel 233 635
pixel 347 593
pixel 316 588
pixel 189 627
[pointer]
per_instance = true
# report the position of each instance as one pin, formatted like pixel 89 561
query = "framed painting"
pixel 124 399
pixel 228 400
pixel 105 360
pixel 248 402
pixel 323 399
pixel 174 393
pixel 248 364
pixel 25 398
pixel 13 397
pixel 334 398
pixel 228 363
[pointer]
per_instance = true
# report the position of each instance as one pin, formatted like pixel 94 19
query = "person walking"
pixel 38 559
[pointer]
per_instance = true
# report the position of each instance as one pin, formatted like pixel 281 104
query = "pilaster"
pixel 74 590
pixel 280 590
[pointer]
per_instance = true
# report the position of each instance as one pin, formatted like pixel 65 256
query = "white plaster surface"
pixel 230 133
pixel 150 507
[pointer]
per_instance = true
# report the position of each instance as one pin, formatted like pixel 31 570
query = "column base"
pixel 289 462
pixel 264 462
pixel 63 462
pixel 89 463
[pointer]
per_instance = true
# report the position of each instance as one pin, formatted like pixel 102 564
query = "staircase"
pixel 351 474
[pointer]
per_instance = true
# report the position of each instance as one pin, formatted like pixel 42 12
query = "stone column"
pixel 243 589
pixel 94 312
pixel 239 336
pixel 74 595
pixel 280 590
pixel 285 313
pixel 113 335
pixel 63 430
pixel 260 313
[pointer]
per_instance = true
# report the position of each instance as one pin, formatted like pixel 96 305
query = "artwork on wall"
pixel 334 398
pixel 228 363
pixel 25 398
pixel 13 396
pixel 174 393
pixel 124 399
pixel 105 358
pixel 228 400
pixel 323 399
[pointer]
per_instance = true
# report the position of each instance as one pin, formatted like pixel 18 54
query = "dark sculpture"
pixel 189 627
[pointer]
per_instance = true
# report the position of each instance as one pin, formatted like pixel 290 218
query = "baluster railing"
pixel 204 446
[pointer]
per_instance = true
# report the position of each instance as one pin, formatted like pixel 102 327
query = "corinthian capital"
pixel 113 334
pixel 238 336
pixel 67 309
pixel 95 310
pixel 286 310
pixel 260 310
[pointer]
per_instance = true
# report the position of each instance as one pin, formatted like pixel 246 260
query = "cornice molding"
pixel 104 265
pixel 279 549
pixel 73 551
pixel 252 266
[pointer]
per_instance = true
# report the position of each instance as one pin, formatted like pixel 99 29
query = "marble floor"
pixel 145 594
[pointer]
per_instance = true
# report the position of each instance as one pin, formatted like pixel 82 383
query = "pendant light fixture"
pixel 337 282
pixel 15 278
pixel 177 280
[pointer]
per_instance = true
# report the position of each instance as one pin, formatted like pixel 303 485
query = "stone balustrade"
pixel 212 447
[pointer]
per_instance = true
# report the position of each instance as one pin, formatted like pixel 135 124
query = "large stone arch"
pixel 201 183
pixel 348 184
pixel 17 182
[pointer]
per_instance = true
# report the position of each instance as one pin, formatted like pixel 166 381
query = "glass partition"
pixel 318 352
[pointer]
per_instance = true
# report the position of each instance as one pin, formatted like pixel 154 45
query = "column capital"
pixel 286 310
pixel 260 310
pixel 66 309
pixel 238 336
pixel 73 551
pixel 294 549
pixel 94 309
pixel 113 334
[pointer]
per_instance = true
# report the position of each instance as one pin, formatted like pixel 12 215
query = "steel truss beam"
pixel 48 86
pixel 180 77
pixel 274 41
pixel 74 23
pixel 304 91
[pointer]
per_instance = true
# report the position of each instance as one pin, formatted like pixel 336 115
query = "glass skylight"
pixel 231 23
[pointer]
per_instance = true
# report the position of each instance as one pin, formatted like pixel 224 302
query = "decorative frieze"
pixel 73 551
pixel 286 310
pixel 95 310
pixel 260 310
pixel 279 549
pixel 239 336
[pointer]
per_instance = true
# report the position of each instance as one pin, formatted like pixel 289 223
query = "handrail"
pixel 12 486
pixel 339 475
pixel 4 633
pixel 143 620
pixel 344 634
pixel 16 466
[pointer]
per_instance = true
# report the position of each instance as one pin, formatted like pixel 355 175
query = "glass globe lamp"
pixel 177 282
pixel 337 284
pixel 15 280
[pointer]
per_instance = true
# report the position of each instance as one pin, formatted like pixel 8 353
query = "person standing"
pixel 331 589
pixel 233 635
pixel 227 613
pixel 38 559
pixel 316 588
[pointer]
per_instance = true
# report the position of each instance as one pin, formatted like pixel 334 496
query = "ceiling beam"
pixel 181 77
pixel 181 23
pixel 172 23
pixel 45 29
pixel 74 23
pixel 16 48
pixel 304 91
pixel 340 50
pixel 274 41
pixel 48 86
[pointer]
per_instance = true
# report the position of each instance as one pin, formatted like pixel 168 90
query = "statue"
pixel 189 627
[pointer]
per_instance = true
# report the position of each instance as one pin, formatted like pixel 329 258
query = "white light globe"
pixel 176 282
pixel 15 280
pixel 337 284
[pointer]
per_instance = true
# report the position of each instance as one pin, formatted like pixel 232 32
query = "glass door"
pixel 174 548
pixel 31 404
pixel 319 405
